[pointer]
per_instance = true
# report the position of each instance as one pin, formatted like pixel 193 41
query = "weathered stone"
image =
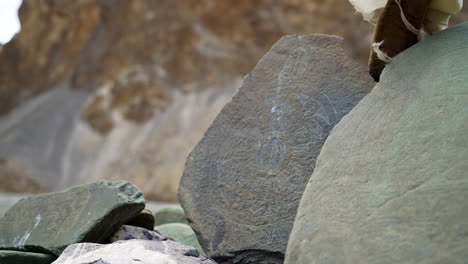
pixel 391 183
pixel 153 74
pixel 127 232
pixel 87 213
pixel 180 232
pixel 244 180
pixel 153 83
pixel 144 219
pixel 132 252
pixel 174 214
pixel 21 257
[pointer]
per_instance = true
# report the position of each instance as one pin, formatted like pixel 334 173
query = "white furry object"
pixel 368 8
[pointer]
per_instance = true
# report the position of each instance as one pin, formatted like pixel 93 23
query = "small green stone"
pixel 174 214
pixel 181 233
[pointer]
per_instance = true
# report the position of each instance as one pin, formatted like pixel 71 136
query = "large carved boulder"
pixel 244 180
pixel 391 182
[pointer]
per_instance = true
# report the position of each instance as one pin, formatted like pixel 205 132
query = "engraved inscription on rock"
pixel 244 180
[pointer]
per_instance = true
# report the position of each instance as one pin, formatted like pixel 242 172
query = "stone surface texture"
pixel 87 213
pixel 173 214
pixel 123 90
pixel 127 232
pixel 94 79
pixel 21 257
pixel 132 252
pixel 391 182
pixel 253 163
pixel 181 233
pixel 7 200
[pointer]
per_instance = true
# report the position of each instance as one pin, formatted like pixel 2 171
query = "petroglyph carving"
pixel 271 153
pixel 261 150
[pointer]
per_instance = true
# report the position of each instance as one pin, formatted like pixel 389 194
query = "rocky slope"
pixel 124 89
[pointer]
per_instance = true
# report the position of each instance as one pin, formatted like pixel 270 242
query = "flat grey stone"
pixel 21 257
pixel 132 252
pixel 48 223
pixel 243 181
pixel 391 182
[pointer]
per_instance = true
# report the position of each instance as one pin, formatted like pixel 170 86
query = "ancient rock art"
pixel 244 180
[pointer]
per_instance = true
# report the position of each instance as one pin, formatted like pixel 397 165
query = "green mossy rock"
pixel 144 219
pixel 181 233
pixel 174 214
pixel 87 213
pixel 21 257
pixel 391 181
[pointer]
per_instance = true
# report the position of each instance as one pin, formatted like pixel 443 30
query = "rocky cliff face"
pixel 174 43
pixel 124 89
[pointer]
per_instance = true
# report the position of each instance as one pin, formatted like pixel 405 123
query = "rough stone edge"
pixel 96 228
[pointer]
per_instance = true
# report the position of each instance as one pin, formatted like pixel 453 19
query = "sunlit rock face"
pixel 120 89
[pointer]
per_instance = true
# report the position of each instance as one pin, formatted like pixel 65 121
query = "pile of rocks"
pixel 102 222
pixel 309 163
pixel 128 99
pixel 388 186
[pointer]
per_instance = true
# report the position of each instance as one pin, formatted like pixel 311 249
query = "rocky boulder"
pixel 243 181
pixel 88 213
pixel 125 89
pixel 391 182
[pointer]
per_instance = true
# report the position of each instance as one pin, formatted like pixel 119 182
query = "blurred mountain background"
pixel 118 89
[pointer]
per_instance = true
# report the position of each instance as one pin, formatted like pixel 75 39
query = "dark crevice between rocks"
pixel 30 249
pixel 116 215
pixel 192 253
pixel 252 257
